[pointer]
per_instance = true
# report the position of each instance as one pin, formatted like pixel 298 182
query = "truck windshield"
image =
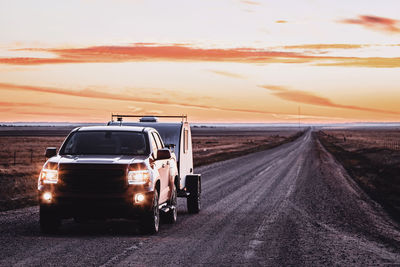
pixel 105 143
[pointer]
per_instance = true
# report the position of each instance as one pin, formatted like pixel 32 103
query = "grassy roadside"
pixel 18 178
pixel 376 170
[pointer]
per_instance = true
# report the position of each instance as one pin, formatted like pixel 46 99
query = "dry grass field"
pixel 21 158
pixel 372 157
pixel 22 154
pixel 218 144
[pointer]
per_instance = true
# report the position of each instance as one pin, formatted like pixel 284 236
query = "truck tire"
pixel 194 198
pixel 49 221
pixel 151 220
pixel 171 216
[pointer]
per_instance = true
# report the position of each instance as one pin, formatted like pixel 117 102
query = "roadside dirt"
pixel 371 160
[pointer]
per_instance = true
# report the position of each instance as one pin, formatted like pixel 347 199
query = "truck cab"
pixel 103 172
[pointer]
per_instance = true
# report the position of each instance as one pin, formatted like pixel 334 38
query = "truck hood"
pixel 97 159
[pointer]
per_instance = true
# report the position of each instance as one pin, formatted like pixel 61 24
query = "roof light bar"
pixel 121 116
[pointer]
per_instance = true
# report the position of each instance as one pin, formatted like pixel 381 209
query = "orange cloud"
pixel 370 62
pixel 312 99
pixel 36 105
pixel 52 114
pixel 281 21
pixel 169 52
pixel 227 74
pixel 375 23
pixel 35 61
pixel 14 104
pixel 139 52
pixel 274 87
pixel 326 46
pixel 89 93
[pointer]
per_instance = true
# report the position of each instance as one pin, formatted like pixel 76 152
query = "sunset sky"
pixel 215 60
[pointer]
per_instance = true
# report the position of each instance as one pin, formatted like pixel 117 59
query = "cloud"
pixel 25 108
pixel 312 99
pixel 326 46
pixel 375 23
pixel 227 74
pixel 140 52
pixel 281 21
pixel 172 52
pixel 278 88
pixel 36 105
pixel 184 53
pixel 35 61
pixel 88 93
pixel 370 62
pixel 93 94
pixel 52 114
pixel 16 104
pixel 248 2
pixel 307 117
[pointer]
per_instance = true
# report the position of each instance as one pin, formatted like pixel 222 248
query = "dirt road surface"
pixel 291 205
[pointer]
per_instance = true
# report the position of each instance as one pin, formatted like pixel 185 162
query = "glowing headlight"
pixel 139 198
pixel 47 196
pixel 49 176
pixel 138 177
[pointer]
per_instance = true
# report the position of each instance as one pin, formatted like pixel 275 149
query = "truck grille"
pixel 92 178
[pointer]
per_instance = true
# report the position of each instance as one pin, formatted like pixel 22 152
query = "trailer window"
pixel 186 141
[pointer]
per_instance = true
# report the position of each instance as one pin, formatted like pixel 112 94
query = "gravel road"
pixel 291 205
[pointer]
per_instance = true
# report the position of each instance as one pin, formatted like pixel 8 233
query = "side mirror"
pixel 51 152
pixel 164 153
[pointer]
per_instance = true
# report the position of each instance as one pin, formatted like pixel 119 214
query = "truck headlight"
pixel 138 177
pixel 49 176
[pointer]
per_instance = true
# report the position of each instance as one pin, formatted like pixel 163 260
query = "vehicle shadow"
pixel 103 228
pixel 100 228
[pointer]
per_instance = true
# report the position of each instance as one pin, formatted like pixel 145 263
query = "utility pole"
pixel 299 115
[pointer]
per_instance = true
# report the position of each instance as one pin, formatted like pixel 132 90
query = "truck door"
pixel 163 169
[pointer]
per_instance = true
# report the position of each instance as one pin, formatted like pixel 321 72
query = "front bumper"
pixel 96 206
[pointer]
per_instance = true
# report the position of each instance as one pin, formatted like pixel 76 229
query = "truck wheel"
pixel 194 198
pixel 172 214
pixel 151 221
pixel 49 220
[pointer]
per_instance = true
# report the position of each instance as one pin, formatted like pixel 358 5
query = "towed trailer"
pixel 177 137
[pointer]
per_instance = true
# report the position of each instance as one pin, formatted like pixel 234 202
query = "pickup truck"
pixel 119 171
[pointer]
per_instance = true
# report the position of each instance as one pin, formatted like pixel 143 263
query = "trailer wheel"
pixel 151 221
pixel 49 221
pixel 194 198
